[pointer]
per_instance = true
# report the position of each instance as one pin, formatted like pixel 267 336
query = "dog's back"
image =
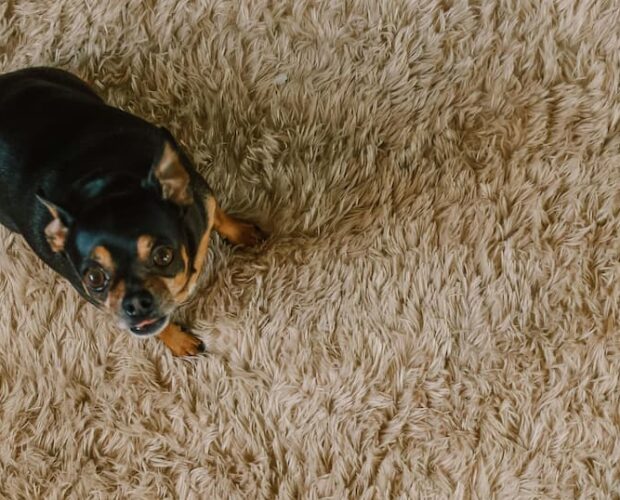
pixel 54 132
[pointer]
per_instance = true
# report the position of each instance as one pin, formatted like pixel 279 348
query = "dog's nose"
pixel 138 304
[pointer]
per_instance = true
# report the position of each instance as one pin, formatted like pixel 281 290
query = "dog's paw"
pixel 250 235
pixel 238 231
pixel 180 341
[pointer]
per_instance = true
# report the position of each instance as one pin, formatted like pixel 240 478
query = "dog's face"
pixel 134 260
pixel 132 250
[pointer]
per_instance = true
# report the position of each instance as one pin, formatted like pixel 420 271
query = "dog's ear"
pixel 170 175
pixel 56 231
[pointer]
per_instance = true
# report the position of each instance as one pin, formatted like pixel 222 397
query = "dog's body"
pixel 107 200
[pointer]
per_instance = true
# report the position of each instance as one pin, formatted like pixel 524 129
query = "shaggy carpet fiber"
pixel 436 313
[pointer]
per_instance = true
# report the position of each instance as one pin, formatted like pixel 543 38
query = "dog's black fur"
pixel 78 176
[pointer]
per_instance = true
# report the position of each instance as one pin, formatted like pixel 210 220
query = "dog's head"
pixel 132 245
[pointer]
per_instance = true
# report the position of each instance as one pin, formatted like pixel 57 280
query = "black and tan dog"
pixel 108 200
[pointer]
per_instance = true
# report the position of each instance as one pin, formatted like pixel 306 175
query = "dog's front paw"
pixel 250 235
pixel 238 231
pixel 181 342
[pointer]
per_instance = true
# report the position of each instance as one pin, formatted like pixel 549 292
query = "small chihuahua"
pixel 109 201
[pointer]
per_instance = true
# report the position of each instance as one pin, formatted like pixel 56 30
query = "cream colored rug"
pixel 437 312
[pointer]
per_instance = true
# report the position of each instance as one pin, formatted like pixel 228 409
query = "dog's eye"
pixel 162 256
pixel 96 279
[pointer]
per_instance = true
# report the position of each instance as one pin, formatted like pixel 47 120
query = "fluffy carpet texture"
pixel 436 314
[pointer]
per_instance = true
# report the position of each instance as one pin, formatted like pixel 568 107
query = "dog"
pixel 108 200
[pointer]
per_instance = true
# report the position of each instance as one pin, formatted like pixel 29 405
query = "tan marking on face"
pixel 145 245
pixel 176 285
pixel 182 286
pixel 102 256
pixel 115 296
pixel 159 289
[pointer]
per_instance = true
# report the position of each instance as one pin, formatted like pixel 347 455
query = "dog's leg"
pixel 237 231
pixel 180 342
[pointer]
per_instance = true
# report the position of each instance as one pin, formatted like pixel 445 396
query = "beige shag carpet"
pixel 437 312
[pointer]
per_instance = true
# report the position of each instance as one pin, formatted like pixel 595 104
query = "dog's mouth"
pixel 151 326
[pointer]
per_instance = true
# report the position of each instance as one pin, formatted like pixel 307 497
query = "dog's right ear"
pixel 169 175
pixel 56 231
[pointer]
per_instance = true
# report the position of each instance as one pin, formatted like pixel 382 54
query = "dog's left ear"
pixel 170 175
pixel 56 231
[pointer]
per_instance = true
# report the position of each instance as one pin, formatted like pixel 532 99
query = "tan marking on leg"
pixel 144 246
pixel 237 231
pixel 181 343
pixel 102 255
